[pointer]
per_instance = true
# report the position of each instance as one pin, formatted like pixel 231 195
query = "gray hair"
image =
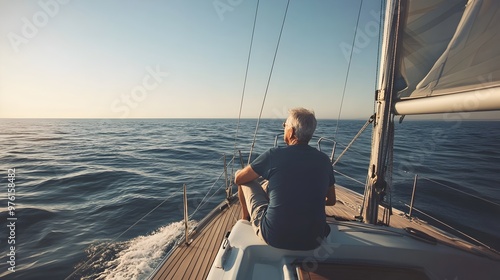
pixel 303 122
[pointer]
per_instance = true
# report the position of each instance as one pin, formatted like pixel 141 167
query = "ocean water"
pixel 102 199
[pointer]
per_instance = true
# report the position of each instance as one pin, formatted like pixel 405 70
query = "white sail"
pixel 450 57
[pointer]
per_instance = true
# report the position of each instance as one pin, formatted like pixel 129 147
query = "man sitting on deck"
pixel 290 214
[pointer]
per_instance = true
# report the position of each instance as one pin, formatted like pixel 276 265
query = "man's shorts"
pixel 257 200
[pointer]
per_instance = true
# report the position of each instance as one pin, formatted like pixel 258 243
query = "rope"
pixel 381 21
pixel 245 82
pixel 394 55
pixel 390 168
pixel 387 124
pixel 379 44
pixel 268 82
pixel 348 68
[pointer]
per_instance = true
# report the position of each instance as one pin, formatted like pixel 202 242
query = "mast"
pixel 382 137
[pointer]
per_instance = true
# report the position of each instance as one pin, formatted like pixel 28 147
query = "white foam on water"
pixel 139 256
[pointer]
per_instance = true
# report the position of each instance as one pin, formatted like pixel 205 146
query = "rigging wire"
pixel 203 202
pixel 457 190
pixel 245 81
pixel 349 177
pixel 87 263
pixel 370 120
pixel 451 227
pixel 348 69
pixel 268 82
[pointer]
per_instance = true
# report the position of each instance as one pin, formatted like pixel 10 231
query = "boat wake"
pixel 132 259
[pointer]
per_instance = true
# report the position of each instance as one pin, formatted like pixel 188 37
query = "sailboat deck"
pixel 193 261
pixel 348 206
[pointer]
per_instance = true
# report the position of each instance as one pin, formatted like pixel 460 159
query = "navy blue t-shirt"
pixel 299 177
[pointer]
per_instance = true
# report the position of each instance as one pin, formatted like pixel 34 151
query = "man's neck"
pixel 295 142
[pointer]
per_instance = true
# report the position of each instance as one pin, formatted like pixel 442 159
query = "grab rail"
pixel 321 139
pixel 276 139
pixel 331 141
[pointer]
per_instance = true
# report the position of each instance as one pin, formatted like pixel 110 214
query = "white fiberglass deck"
pixel 393 251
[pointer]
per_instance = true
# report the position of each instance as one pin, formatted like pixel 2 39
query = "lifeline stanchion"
pixel 186 216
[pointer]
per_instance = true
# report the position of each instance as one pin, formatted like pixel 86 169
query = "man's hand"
pixel 245 175
pixel 331 198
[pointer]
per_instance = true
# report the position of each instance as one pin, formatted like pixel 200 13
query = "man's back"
pixel 299 177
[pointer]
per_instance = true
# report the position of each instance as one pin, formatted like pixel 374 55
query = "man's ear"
pixel 292 133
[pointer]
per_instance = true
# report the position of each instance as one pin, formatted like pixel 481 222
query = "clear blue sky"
pixel 183 58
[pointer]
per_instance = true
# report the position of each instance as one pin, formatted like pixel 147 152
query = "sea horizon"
pixel 246 118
